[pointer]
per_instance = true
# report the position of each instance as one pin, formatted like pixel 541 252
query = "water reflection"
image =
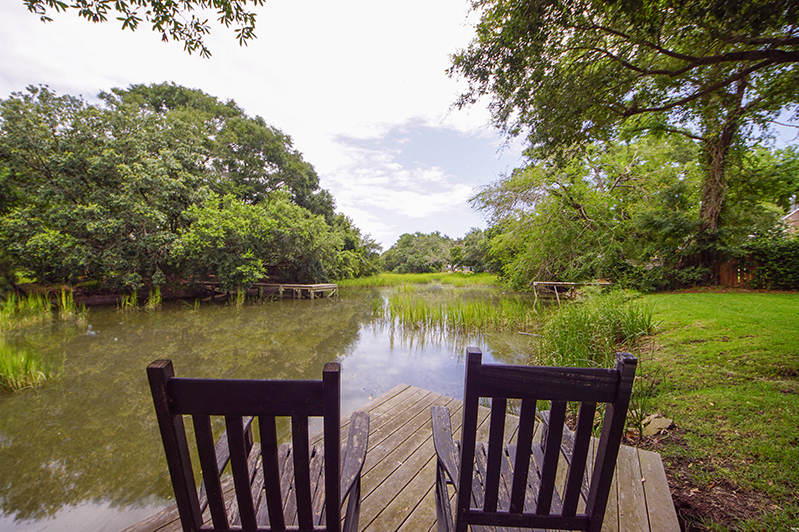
pixel 86 449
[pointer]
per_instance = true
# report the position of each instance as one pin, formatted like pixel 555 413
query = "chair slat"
pixel 206 451
pixel 579 457
pixel 331 402
pixel 241 474
pixel 524 448
pixel 495 444
pixel 302 474
pixel 549 468
pixel 271 468
pixel 553 383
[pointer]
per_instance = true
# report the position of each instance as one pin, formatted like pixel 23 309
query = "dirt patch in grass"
pixel 718 503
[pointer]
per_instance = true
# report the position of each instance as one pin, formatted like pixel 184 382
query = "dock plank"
pixel 398 478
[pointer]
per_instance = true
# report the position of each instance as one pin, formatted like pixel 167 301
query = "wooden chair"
pixel 277 487
pixel 513 485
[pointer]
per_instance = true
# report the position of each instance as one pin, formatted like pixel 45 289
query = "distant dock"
pixel 293 290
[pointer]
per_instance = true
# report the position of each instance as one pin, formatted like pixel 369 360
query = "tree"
pixel 240 243
pixel 249 158
pixel 419 253
pixel 570 73
pixel 627 211
pixel 166 17
pixel 97 193
pixel 105 192
pixel 359 255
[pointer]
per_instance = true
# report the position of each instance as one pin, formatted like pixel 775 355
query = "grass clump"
pixel 457 315
pixel 25 368
pixel 129 303
pixel 37 309
pixel 589 333
pixel 154 300
pixel 16 312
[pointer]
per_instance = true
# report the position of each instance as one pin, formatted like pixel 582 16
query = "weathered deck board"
pixel 399 473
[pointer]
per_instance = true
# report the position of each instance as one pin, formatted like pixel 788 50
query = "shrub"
pixel 775 262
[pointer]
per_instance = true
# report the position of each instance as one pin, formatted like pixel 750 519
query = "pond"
pixel 84 453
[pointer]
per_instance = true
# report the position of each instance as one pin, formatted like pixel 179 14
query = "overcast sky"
pixel 360 86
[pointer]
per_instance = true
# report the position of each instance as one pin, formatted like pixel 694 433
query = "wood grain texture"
pixel 415 500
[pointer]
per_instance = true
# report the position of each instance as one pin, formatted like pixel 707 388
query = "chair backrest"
pixel 535 465
pixel 239 401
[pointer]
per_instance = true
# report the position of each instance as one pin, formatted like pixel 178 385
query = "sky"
pixel 359 85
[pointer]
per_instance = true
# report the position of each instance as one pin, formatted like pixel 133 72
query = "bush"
pixel 775 262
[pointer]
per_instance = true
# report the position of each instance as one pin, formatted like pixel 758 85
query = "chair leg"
pixel 443 508
pixel 353 508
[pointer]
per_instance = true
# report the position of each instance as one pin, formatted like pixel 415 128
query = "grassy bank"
pixel 730 381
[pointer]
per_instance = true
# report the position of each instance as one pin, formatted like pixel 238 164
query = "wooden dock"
pixel 398 480
pixel 296 291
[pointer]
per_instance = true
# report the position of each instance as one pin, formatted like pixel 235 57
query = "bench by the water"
pixel 398 478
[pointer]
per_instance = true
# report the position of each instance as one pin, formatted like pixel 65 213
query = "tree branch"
pixel 707 90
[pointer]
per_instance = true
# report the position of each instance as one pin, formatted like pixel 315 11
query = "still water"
pixel 84 453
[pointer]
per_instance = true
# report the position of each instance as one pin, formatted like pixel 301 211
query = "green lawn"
pixel 729 368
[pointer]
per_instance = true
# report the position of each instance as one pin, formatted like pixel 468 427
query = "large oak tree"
pixel 568 73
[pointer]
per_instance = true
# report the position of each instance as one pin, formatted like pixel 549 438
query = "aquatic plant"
pixel 154 299
pixel 68 309
pixel 459 315
pixel 589 333
pixel 24 368
pixel 129 303
pixel 16 312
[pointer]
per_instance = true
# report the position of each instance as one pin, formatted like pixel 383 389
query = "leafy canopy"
pixel 158 183
pixel 566 73
pixel 178 19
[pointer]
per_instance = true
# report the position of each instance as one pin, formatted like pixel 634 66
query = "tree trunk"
pixel 714 186
pixel 716 148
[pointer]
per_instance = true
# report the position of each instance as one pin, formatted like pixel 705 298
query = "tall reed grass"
pixel 37 309
pixel 398 279
pixel 24 368
pixel 129 303
pixel 589 333
pixel 16 312
pixel 411 311
pixel 68 309
pixel 154 299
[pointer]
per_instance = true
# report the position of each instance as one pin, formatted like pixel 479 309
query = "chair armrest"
pixel 357 442
pixel 442 440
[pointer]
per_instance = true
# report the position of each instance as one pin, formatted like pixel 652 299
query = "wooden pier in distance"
pixel 398 479
pixel 568 288
pixel 293 290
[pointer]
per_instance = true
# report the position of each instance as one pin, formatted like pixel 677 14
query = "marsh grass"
pixel 68 309
pixel 154 299
pixel 589 333
pixel 411 311
pixel 129 303
pixel 24 368
pixel 399 279
pixel 16 312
